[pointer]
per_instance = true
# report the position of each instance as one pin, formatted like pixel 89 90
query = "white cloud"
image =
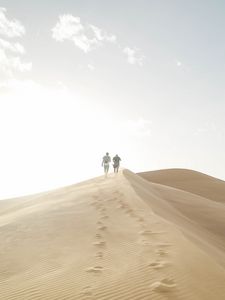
pixel 86 37
pixel 10 59
pixel 102 35
pixel 8 64
pixel 67 27
pixel 13 47
pixel 178 63
pixel 133 56
pixel 10 28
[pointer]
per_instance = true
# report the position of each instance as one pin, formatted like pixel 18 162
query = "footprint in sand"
pixel 104 217
pixel 99 244
pixel 150 232
pixel 111 199
pixel 100 205
pixel 132 214
pixel 118 193
pixel 129 210
pixel 120 201
pixel 121 206
pixel 140 220
pixel 145 243
pixel 164 245
pixel 145 232
pixel 102 227
pixel 96 269
pixel 158 264
pixel 99 254
pixel 98 236
pixel 165 285
pixel 161 252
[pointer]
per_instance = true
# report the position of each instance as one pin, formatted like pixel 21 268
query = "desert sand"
pixel 154 235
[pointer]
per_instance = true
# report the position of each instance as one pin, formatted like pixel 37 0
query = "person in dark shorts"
pixel 116 163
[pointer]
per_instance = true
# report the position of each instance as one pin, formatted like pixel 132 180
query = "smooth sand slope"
pixel 190 181
pixel 203 203
pixel 117 238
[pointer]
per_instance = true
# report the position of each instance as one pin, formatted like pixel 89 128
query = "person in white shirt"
pixel 105 163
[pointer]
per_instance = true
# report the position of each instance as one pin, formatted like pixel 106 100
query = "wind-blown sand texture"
pixel 124 237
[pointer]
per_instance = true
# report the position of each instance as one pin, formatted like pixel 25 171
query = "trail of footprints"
pixel 161 249
pixel 99 244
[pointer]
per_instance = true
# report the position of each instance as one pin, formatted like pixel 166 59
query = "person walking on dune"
pixel 105 162
pixel 116 163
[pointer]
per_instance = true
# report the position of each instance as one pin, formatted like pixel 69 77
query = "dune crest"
pixel 117 238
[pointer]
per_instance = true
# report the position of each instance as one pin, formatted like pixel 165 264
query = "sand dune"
pixel 190 181
pixel 206 214
pixel 117 238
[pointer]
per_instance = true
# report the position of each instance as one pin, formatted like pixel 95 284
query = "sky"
pixel 143 79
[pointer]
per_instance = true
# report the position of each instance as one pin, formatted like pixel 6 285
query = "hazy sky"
pixel 144 79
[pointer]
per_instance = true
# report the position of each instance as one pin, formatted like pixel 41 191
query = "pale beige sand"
pixel 116 238
pixel 190 181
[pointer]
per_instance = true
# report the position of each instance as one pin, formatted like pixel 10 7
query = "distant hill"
pixel 190 181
